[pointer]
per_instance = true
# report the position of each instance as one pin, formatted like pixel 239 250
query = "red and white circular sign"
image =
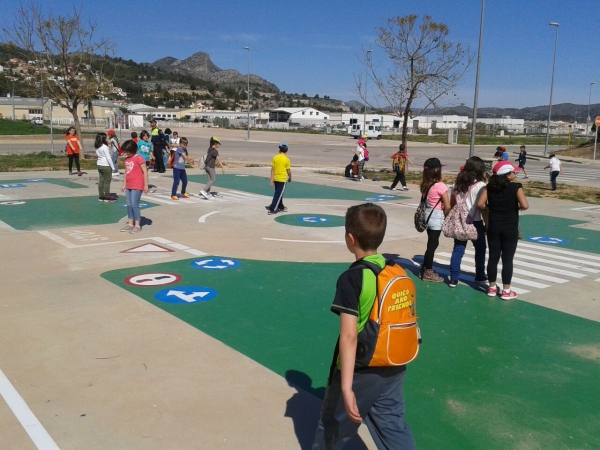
pixel 152 279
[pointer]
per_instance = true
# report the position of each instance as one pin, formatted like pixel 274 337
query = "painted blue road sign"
pixel 34 180
pixel 185 295
pixel 142 205
pixel 313 219
pixel 215 263
pixel 11 186
pixel 380 198
pixel 547 240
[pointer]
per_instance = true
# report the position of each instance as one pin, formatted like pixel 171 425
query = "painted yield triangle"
pixel 147 248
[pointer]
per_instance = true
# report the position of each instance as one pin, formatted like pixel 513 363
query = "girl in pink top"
pixel 437 206
pixel 135 182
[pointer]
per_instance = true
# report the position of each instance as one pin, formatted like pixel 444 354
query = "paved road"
pixel 330 152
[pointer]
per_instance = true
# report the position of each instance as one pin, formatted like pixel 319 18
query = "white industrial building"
pixel 506 123
pixel 284 118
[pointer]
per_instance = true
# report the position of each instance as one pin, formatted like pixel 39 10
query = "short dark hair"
pixel 183 140
pixel 130 147
pixel 133 134
pixel 367 223
pixel 143 134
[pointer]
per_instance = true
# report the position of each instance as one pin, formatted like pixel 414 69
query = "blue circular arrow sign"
pixel 185 295
pixel 313 219
pixel 546 240
pixel 215 264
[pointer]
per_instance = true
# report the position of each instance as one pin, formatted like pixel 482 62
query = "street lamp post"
pixel 587 123
pixel 552 24
pixel 366 92
pixel 248 96
pixel 473 123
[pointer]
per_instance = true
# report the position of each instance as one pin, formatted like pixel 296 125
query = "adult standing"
pixel 155 138
pixel 556 169
pixel 468 186
pixel 281 174
pixel 522 159
pixel 503 198
pixel 437 206
pixel 212 158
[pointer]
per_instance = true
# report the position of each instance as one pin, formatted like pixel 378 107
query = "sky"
pixel 313 47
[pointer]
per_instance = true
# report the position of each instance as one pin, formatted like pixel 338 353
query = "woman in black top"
pixel 503 199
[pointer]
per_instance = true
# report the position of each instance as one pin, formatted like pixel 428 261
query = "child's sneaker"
pixel 185 195
pixel 492 291
pixel 508 295
pixel 127 228
pixel 174 197
pixel 393 189
pixel 453 283
pixel 405 188
pixel 135 230
pixel 430 275
pixel 204 194
pixel 283 209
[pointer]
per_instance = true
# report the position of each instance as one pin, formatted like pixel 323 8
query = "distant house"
pixel 284 118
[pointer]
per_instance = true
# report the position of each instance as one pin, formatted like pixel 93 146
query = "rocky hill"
pixel 199 65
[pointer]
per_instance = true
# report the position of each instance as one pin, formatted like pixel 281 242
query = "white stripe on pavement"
pixel 550 249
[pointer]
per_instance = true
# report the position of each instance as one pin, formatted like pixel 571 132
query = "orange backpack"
pixel 391 335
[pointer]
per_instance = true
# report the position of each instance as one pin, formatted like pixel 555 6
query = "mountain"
pixel 199 65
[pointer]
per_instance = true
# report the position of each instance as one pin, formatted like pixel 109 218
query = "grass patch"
pixel 40 161
pixel 21 128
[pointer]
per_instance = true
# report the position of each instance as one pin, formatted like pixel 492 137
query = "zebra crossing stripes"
pixel 571 175
pixel 533 276
pixel 228 197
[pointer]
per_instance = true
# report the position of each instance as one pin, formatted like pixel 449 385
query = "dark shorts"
pixel 521 165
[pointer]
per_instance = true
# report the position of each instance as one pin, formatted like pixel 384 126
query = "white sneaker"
pixel 205 195
pixel 405 188
pixel 393 189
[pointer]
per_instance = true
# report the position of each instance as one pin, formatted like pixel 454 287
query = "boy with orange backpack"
pixel 379 335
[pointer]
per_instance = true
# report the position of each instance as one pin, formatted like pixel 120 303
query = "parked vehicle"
pixel 37 121
pixel 372 131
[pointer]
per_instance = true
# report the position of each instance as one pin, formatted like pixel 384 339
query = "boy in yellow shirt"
pixel 281 174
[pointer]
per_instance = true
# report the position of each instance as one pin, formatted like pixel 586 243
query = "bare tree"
pixel 68 58
pixel 424 66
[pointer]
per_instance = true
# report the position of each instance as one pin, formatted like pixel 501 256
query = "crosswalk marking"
pixel 571 175
pixel 532 276
pixel 228 197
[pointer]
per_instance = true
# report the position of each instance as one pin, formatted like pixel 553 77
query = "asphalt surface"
pixel 331 152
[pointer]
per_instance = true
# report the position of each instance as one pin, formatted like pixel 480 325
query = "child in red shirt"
pixel 73 148
pixel 135 181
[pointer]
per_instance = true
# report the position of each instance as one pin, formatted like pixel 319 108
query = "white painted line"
pixel 196 252
pixel 447 272
pixel 58 239
pixel 553 270
pixel 598 279
pixel 515 279
pixel 515 270
pixel 550 249
pixel 203 218
pixel 25 416
pixel 162 240
pixel 159 198
pixel 560 257
pixel 304 242
pixel 179 246
pixel 558 263
pixel 5 226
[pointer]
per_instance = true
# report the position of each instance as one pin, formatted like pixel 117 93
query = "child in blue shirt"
pixel 179 173
pixel 145 146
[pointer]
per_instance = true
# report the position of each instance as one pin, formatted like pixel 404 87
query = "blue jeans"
pixel 277 202
pixel 459 251
pixel 553 176
pixel 115 160
pixel 133 197
pixel 380 401
pixel 179 174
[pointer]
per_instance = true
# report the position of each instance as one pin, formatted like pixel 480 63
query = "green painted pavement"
pixel 57 181
pixel 490 374
pixel 261 186
pixel 307 220
pixel 63 212
pixel 577 238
